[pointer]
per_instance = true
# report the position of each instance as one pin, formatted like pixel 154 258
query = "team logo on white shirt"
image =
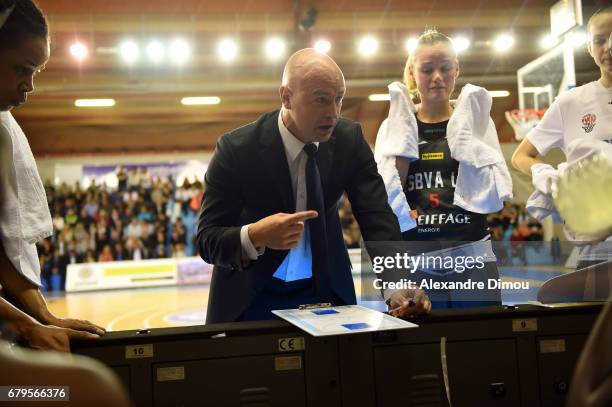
pixel 588 122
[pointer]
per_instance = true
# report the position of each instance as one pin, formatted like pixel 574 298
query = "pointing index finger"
pixel 303 215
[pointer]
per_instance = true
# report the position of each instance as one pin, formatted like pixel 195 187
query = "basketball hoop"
pixel 523 120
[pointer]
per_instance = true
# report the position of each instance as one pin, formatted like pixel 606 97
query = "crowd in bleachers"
pixel 147 217
pixel 514 223
pixel 522 233
pixel 143 217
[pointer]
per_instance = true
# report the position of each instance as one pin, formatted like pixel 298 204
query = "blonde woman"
pixel 443 170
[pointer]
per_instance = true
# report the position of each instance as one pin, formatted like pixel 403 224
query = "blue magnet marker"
pixel 324 311
pixel 357 325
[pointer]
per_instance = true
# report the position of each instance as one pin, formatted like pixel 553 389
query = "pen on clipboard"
pixel 315 306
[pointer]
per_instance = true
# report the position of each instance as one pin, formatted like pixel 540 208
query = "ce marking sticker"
pixel 291 344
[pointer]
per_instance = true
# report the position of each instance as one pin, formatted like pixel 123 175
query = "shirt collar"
pixel 293 146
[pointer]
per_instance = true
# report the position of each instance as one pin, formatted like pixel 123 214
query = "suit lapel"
pixel 275 160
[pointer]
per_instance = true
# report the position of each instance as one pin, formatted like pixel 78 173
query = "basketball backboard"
pixel 541 80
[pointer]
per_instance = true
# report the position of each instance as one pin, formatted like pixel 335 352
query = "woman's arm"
pixel 29 301
pixel 525 156
pixel 403 165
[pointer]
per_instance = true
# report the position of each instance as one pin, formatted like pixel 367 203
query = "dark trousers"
pixel 278 294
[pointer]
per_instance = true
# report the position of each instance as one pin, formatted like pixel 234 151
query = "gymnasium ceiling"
pixel 148 116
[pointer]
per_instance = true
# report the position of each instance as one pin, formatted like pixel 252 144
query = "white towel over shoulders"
pixel 483 179
pixel 24 214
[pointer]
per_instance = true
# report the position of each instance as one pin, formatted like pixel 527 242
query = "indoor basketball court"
pixel 162 307
pixel 306 203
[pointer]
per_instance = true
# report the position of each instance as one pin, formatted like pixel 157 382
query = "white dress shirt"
pixel 298 256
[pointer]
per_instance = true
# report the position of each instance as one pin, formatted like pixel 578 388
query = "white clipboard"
pixel 342 320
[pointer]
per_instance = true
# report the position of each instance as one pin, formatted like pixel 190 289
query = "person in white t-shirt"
pixel 585 111
pixel 580 113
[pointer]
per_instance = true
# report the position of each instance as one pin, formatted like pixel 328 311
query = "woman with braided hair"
pixel 24 215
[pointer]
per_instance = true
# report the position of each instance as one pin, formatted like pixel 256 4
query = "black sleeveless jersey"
pixel 430 188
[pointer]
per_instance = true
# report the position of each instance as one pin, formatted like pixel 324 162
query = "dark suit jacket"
pixel 248 179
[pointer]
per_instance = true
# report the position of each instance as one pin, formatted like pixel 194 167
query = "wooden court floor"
pixel 137 308
pixel 118 310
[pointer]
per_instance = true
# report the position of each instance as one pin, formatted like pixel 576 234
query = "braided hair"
pixel 19 19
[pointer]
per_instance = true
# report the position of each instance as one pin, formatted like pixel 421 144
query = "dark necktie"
pixel 317 227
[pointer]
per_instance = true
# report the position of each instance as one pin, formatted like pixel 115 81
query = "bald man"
pixel 269 221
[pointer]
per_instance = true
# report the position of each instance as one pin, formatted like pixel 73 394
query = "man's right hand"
pixel 410 302
pixel 49 337
pixel 281 231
